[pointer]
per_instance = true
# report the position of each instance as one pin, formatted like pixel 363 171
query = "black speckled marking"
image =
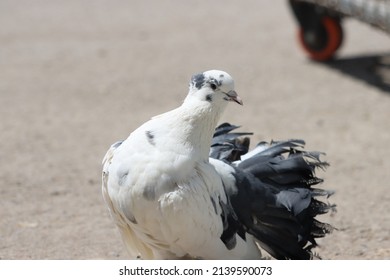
pixel 150 137
pixel 215 81
pixel 209 97
pixel 149 193
pixel 117 144
pixel 198 80
pixel 214 204
pixel 222 75
pixel 122 177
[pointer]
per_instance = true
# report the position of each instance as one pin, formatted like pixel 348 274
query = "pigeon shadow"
pixel 373 69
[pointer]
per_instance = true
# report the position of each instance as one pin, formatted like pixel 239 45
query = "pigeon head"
pixel 213 86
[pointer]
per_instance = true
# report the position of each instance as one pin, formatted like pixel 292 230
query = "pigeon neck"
pixel 198 126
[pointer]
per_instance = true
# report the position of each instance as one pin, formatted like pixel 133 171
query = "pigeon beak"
pixel 233 96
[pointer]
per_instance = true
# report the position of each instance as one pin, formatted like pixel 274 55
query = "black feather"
pixel 275 200
pixel 229 146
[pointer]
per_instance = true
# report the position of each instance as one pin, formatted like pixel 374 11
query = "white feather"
pixel 160 186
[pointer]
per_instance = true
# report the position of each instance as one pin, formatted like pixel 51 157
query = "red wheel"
pixel 321 45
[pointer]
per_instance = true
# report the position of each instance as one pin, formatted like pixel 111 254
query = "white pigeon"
pixel 173 197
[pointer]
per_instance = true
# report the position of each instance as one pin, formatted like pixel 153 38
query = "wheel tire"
pixel 333 34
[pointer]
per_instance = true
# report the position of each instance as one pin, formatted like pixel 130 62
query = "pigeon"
pixel 181 187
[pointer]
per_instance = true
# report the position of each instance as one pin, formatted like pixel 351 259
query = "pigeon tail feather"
pixel 275 200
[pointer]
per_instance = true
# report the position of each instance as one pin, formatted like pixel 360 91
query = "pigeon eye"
pixel 213 86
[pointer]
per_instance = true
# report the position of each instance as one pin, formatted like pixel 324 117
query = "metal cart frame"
pixel 320 22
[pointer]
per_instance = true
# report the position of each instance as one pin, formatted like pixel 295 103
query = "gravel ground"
pixel 75 76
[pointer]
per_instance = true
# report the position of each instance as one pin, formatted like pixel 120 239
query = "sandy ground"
pixel 75 76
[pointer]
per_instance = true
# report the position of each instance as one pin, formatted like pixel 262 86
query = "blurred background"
pixel 76 76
